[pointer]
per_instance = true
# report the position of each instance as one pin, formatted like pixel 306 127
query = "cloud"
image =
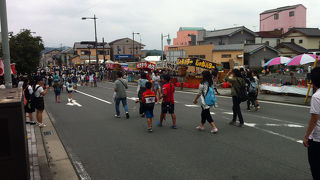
pixel 59 21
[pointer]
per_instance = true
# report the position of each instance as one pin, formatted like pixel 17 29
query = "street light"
pixel 168 41
pixel 133 33
pixel 95 32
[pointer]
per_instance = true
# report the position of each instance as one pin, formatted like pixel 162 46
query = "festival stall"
pixel 192 80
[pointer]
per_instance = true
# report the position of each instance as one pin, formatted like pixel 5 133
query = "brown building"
pixel 121 50
pixel 85 52
pixel 50 57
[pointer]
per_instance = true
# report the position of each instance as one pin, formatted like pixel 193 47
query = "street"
pixel 104 147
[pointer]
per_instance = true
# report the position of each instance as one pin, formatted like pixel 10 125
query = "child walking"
pixel 149 98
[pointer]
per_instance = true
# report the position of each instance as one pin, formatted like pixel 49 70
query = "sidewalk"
pixel 47 157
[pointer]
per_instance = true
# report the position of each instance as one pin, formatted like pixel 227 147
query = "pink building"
pixel 186 36
pixel 283 18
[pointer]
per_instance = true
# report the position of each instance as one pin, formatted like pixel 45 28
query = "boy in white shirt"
pixel 312 137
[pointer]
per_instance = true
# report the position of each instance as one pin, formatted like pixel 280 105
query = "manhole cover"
pixel 47 133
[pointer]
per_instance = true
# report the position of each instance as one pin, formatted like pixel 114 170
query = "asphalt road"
pixel 103 147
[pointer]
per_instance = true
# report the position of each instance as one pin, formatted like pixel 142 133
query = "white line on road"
pixel 74 102
pixel 94 97
pixel 285 125
pixel 133 98
pixel 191 105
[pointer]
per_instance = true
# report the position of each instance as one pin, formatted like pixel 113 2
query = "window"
pixel 83 52
pixel 226 56
pixel 101 52
pixel 292 40
pixel 300 41
pixel 291 13
pixel 276 16
pixel 202 56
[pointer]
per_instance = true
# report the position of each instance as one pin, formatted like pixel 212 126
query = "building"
pixel 229 55
pixel 186 36
pixel 121 50
pixel 66 56
pixel 85 52
pixel 50 57
pixel 290 49
pixel 271 38
pixel 283 18
pixel 308 38
pixel 235 35
pixel 256 55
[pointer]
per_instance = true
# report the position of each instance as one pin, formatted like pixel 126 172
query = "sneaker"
pixel 117 116
pixel 32 122
pixel 71 100
pixel 159 124
pixel 256 108
pixel 127 115
pixel 42 125
pixel 143 115
pixel 200 128
pixel 241 125
pixel 150 129
pixel 214 131
pixel 232 122
pixel 173 127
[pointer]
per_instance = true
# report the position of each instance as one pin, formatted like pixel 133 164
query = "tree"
pixel 25 51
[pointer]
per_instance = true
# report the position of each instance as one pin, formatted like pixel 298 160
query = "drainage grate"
pixel 47 133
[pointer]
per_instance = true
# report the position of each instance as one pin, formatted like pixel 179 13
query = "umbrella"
pixel 302 59
pixel 277 61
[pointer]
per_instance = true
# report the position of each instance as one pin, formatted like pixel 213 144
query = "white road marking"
pixel 93 97
pixel 285 125
pixel 212 113
pixel 268 102
pixel 133 98
pixel 250 124
pixel 74 102
pixel 191 105
pixel 230 113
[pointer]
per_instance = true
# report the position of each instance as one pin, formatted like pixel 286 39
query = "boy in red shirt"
pixel 149 98
pixel 168 101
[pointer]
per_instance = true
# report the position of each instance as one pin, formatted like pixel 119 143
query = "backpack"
pixel 252 87
pixel 242 93
pixel 210 98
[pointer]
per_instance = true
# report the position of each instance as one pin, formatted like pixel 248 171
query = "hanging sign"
pixel 196 62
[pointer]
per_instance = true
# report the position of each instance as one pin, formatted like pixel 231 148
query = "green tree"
pixel 25 51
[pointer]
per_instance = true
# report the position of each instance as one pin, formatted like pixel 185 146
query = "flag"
pixel 1 68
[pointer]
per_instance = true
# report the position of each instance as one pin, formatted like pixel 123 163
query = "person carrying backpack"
pixel 252 91
pixel 208 99
pixel 238 94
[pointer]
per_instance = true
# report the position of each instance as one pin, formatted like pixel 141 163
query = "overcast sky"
pixel 59 21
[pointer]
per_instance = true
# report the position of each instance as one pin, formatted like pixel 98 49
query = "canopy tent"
pixel 153 58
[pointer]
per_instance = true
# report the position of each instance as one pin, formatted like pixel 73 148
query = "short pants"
pixel 149 114
pixel 167 107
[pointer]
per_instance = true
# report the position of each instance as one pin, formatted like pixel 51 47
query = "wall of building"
pixel 307 42
pixel 173 55
pixel 273 42
pixel 258 58
pixel 237 38
pixel 287 52
pixel 235 56
pixel 268 23
pixel 183 38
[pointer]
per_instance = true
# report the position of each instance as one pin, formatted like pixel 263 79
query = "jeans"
pixel 251 99
pixel 124 103
pixel 205 115
pixel 314 158
pixel 236 109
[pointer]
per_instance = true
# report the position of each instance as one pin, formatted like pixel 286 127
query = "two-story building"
pixel 300 40
pixel 271 38
pixel 235 35
pixel 126 50
pixel 283 18
pixel 85 52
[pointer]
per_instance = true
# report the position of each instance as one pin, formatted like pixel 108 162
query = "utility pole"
pixel 5 44
pixel 133 46
pixel 104 53
pixel 96 42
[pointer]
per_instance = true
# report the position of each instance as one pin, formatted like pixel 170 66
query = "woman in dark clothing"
pixel 237 81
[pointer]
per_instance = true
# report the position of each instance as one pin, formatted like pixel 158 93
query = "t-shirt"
pixel 315 109
pixel 142 82
pixel 168 92
pixel 156 80
pixel 149 98
pixel 121 85
pixel 38 91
